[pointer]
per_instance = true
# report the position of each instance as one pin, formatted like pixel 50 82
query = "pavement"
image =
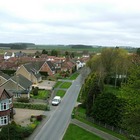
pixel 94 130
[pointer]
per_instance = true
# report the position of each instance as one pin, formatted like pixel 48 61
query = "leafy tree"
pixel 66 53
pixel 109 109
pixel 54 52
pixel 138 51
pixel 11 132
pixel 90 91
pixel 72 55
pixel 131 92
pixel 44 51
pixel 110 64
pixel 132 122
pixel 37 54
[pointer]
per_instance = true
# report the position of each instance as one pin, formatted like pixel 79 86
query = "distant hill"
pixel 80 46
pixel 15 45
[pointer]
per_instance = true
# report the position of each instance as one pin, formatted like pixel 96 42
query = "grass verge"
pixel 76 133
pixel 66 85
pixel 81 110
pixel 60 93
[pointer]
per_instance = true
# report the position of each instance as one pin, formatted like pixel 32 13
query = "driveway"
pixel 22 116
pixel 46 84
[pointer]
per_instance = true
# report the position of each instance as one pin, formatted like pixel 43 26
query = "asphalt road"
pixel 56 126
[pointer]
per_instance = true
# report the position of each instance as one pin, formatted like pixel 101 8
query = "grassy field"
pixel 66 85
pixel 60 93
pixel 76 133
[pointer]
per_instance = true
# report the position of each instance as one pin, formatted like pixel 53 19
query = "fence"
pixel 112 128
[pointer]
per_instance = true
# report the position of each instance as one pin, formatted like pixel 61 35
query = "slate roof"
pixel 51 65
pixel 4 75
pixel 8 94
pixel 22 81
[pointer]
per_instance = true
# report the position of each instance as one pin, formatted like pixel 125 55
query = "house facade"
pixel 6 107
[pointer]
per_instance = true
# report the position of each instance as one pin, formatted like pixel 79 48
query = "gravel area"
pixel 22 116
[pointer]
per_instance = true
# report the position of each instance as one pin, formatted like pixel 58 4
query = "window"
pixel 4 106
pixel 10 100
pixel 3 120
pixel 17 95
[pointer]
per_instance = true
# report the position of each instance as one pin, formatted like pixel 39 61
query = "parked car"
pixel 56 100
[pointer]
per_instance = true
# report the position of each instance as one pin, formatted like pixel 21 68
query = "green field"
pixel 76 133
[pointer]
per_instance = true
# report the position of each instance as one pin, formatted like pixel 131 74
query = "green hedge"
pixel 31 106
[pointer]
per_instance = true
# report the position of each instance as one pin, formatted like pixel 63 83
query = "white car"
pixel 56 100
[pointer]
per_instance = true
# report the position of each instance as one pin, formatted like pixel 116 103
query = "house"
pixel 68 65
pixel 3 77
pixel 79 64
pixel 8 55
pixel 48 67
pixel 20 54
pixel 19 85
pixel 6 107
pixel 30 71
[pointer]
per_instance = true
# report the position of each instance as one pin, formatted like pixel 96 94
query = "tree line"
pixel 114 67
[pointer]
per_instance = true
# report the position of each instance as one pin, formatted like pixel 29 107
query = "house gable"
pixel 4 94
pixel 24 71
pixel 48 67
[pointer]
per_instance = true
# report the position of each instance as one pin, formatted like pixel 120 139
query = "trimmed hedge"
pixel 31 106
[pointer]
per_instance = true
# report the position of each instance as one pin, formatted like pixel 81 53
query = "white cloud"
pixel 103 22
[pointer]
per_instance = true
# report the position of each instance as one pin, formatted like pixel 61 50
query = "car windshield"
pixel 55 100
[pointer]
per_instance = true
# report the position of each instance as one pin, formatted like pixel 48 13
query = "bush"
pixel 31 106
pixel 23 100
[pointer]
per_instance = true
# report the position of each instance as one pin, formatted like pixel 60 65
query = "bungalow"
pixel 6 107
pixel 19 85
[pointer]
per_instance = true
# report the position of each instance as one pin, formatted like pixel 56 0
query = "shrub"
pixel 31 106
pixel 23 100
pixel 39 118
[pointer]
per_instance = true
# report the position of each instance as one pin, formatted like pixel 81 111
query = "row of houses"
pixel 27 75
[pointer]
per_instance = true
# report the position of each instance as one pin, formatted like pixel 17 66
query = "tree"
pixel 44 51
pixel 37 54
pixel 130 91
pixel 109 109
pixel 90 90
pixel 112 63
pixel 138 51
pixel 11 132
pixel 54 52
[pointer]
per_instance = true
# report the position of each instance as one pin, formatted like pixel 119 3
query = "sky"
pixel 89 22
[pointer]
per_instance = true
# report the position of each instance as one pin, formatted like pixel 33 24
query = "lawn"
pixel 42 94
pixel 60 93
pixel 76 133
pixel 73 76
pixel 58 84
pixel 66 85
